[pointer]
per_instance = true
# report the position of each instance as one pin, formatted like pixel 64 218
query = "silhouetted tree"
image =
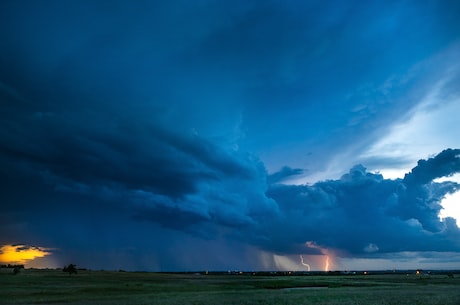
pixel 71 268
pixel 16 270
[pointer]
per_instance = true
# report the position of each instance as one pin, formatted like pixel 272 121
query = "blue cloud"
pixel 363 208
pixel 173 119
pixel 285 173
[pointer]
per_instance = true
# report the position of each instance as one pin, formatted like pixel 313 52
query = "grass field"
pixel 101 287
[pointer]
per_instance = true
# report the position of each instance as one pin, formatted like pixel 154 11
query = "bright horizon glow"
pixel 451 202
pixel 302 262
pixel 325 252
pixel 21 254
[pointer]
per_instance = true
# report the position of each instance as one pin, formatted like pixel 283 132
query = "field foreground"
pixel 102 287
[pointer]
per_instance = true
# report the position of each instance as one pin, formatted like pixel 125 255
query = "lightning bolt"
pixel 325 252
pixel 304 264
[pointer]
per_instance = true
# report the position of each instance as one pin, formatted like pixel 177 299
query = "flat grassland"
pixel 103 287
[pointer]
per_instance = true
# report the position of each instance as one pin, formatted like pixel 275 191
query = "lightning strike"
pixel 326 266
pixel 304 264
pixel 325 252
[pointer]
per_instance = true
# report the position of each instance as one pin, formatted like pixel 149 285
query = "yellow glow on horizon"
pixel 20 254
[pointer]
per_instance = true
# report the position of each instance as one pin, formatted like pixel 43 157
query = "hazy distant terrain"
pixel 103 287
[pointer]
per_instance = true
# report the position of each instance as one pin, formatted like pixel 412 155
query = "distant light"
pixel 21 254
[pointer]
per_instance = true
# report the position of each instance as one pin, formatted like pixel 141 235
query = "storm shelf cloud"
pixel 185 136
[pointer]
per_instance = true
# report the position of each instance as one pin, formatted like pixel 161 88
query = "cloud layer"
pixel 363 213
pixel 212 194
pixel 136 132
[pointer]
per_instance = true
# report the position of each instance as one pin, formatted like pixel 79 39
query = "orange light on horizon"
pixel 21 254
pixel 324 251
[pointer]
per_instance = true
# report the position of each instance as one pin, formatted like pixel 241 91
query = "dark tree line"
pixel 16 268
pixel 71 268
pixel 12 266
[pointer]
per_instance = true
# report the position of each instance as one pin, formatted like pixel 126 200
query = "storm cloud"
pixel 189 184
pixel 132 133
pixel 362 213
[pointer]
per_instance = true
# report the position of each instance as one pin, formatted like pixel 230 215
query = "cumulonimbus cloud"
pixel 363 213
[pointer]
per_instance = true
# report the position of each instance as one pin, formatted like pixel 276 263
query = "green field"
pixel 102 287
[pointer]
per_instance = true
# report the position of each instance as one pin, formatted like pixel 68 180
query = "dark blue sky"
pixel 189 135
